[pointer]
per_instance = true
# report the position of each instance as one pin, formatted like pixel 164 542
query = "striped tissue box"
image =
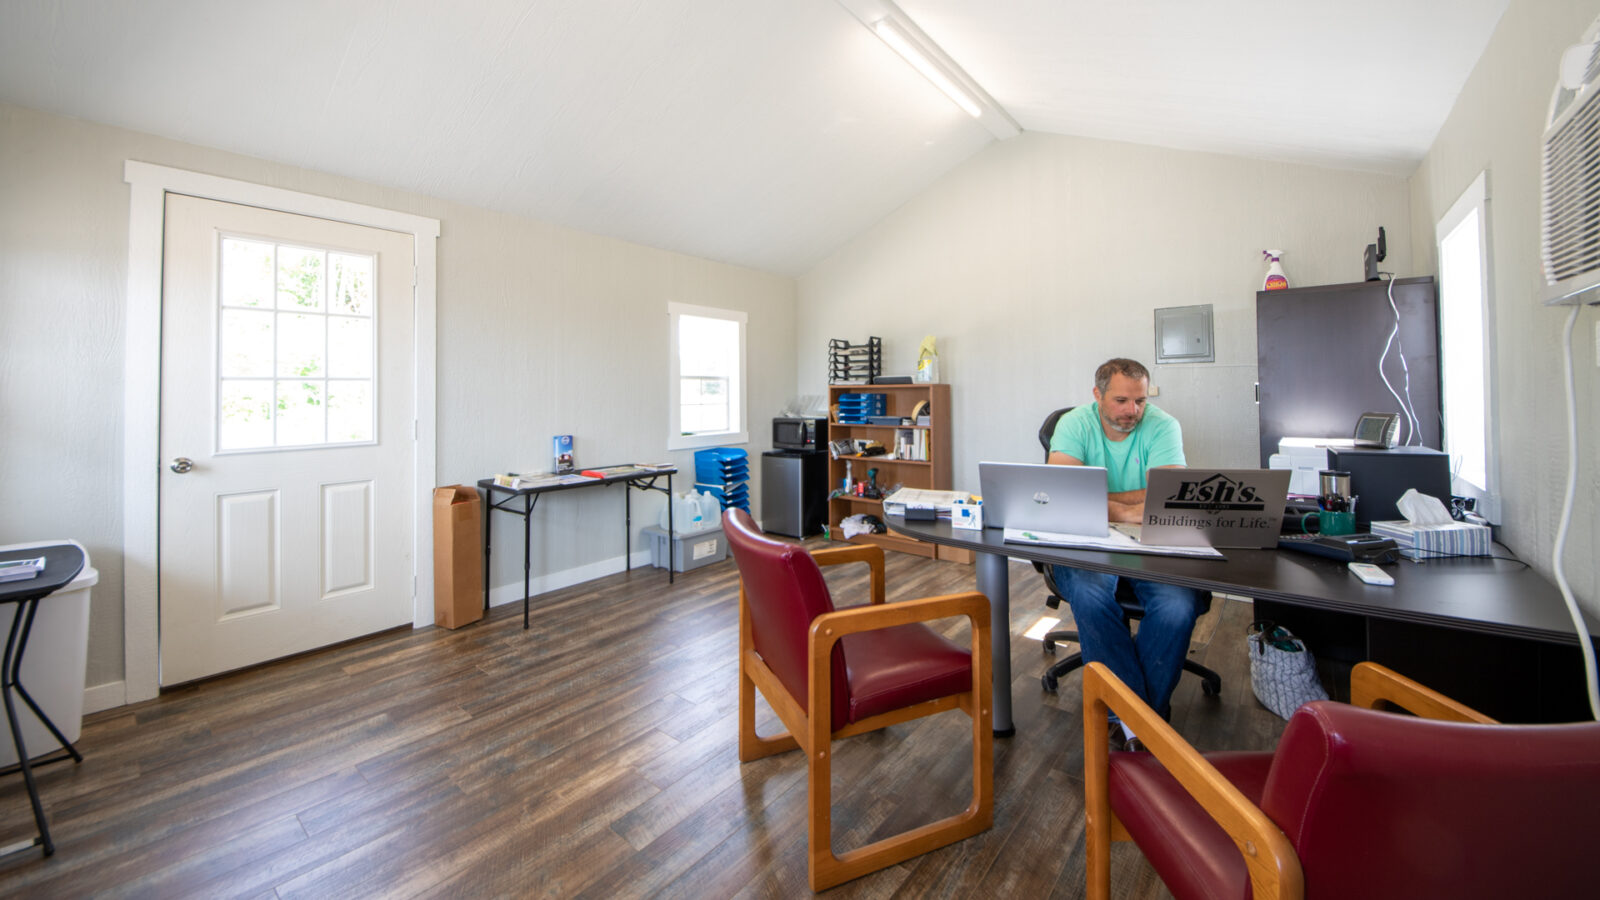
pixel 1425 542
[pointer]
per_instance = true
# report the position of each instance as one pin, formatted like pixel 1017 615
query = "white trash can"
pixel 53 668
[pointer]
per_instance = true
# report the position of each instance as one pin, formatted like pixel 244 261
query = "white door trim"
pixel 141 393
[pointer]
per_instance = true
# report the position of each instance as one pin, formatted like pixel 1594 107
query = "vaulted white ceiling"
pixel 763 133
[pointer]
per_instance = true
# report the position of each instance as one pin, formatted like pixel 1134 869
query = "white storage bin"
pixel 53 667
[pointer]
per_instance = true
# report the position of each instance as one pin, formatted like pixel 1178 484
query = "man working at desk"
pixel 1125 435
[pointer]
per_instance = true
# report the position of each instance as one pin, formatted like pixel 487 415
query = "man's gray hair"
pixel 1127 368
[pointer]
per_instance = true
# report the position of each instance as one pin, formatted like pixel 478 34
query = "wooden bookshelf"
pixel 932 473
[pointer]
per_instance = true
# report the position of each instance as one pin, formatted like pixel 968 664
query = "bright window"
pixel 707 403
pixel 294 346
pixel 1464 349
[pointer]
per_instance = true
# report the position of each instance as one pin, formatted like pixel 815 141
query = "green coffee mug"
pixel 1330 523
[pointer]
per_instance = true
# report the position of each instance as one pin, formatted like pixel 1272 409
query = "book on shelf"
pixel 21 569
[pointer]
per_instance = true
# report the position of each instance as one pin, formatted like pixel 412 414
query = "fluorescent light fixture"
pixel 891 34
pixel 892 26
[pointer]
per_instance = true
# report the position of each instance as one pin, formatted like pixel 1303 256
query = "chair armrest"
pixel 1378 687
pixel 1270 858
pixel 871 554
pixel 832 626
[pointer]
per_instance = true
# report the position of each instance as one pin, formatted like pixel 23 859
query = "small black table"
pixel 643 480
pixel 62 563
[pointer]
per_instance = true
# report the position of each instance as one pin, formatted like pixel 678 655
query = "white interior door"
pixel 286 435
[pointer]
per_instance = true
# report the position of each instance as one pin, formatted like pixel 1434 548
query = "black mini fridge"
pixel 794 492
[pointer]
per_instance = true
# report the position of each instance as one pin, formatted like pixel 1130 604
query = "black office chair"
pixel 1132 608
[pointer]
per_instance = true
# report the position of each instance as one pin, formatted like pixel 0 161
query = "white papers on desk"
pixel 548 480
pixel 1114 541
pixel 895 504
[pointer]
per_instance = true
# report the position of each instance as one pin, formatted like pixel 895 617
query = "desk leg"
pixel 9 671
pixel 670 533
pixel 627 526
pixel 994 582
pixel 527 540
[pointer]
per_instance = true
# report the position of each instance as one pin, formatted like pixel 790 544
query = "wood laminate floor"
pixel 591 756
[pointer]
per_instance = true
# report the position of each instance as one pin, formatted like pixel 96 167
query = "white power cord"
pixel 1584 642
pixel 1405 405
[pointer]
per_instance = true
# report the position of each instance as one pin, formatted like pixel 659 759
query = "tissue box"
pixel 1435 541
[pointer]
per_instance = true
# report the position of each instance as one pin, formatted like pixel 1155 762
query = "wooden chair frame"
pixel 1273 865
pixel 815 733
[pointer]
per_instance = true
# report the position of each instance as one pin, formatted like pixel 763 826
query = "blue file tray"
pixel 721 464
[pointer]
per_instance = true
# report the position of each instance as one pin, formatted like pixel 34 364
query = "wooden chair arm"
pixel 871 554
pixel 830 627
pixel 1373 686
pixel 1270 858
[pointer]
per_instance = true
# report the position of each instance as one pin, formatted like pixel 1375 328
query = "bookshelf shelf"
pixel 933 473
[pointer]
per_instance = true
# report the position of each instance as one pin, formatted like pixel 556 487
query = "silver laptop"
pixel 1211 507
pixel 1039 497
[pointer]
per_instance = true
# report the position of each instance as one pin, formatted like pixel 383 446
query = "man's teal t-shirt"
pixel 1156 441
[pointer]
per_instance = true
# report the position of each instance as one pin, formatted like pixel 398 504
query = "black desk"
pixel 529 497
pixel 1491 633
pixel 62 563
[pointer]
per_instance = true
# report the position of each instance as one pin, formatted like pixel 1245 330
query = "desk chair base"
pixel 1210 681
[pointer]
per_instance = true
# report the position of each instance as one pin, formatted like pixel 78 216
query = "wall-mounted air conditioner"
pixel 1570 231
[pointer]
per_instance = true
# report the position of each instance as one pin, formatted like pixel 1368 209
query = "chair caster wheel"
pixel 1049 682
pixel 1050 647
pixel 1210 688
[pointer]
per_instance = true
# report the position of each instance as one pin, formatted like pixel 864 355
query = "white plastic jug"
pixel 692 512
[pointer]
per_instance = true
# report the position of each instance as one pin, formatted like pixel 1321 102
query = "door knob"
pixel 182 464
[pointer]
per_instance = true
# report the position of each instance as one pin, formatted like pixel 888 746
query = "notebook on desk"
pixel 1240 508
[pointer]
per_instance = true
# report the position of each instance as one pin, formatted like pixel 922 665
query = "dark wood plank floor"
pixel 592 756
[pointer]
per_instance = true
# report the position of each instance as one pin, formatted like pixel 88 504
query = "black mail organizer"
pixel 520 501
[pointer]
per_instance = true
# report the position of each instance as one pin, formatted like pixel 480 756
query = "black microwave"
pixel 794 433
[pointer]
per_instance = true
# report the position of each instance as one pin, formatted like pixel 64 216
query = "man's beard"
pixel 1114 425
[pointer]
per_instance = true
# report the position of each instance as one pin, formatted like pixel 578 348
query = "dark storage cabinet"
pixel 1317 352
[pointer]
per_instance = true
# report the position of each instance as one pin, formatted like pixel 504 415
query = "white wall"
pixel 542 330
pixel 1043 256
pixel 1496 126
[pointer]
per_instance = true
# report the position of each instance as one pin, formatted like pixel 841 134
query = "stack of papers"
pixel 21 569
pixel 916 498
pixel 1115 540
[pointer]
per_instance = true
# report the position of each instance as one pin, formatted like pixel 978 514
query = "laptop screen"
pixel 1219 507
pixel 1039 497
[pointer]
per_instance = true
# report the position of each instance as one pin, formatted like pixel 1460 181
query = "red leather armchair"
pixel 1354 802
pixel 830 674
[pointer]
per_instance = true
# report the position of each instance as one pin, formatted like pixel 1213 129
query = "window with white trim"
pixel 706 404
pixel 1465 354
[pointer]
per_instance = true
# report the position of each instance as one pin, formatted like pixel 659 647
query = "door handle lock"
pixel 182 464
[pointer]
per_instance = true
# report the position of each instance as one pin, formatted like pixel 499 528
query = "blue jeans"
pixel 1149 662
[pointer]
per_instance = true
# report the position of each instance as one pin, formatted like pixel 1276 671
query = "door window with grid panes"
pixel 296 339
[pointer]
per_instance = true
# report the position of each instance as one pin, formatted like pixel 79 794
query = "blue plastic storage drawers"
pixel 855 409
pixel 724 473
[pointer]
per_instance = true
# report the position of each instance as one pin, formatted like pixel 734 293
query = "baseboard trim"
pixel 554 581
pixel 110 695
